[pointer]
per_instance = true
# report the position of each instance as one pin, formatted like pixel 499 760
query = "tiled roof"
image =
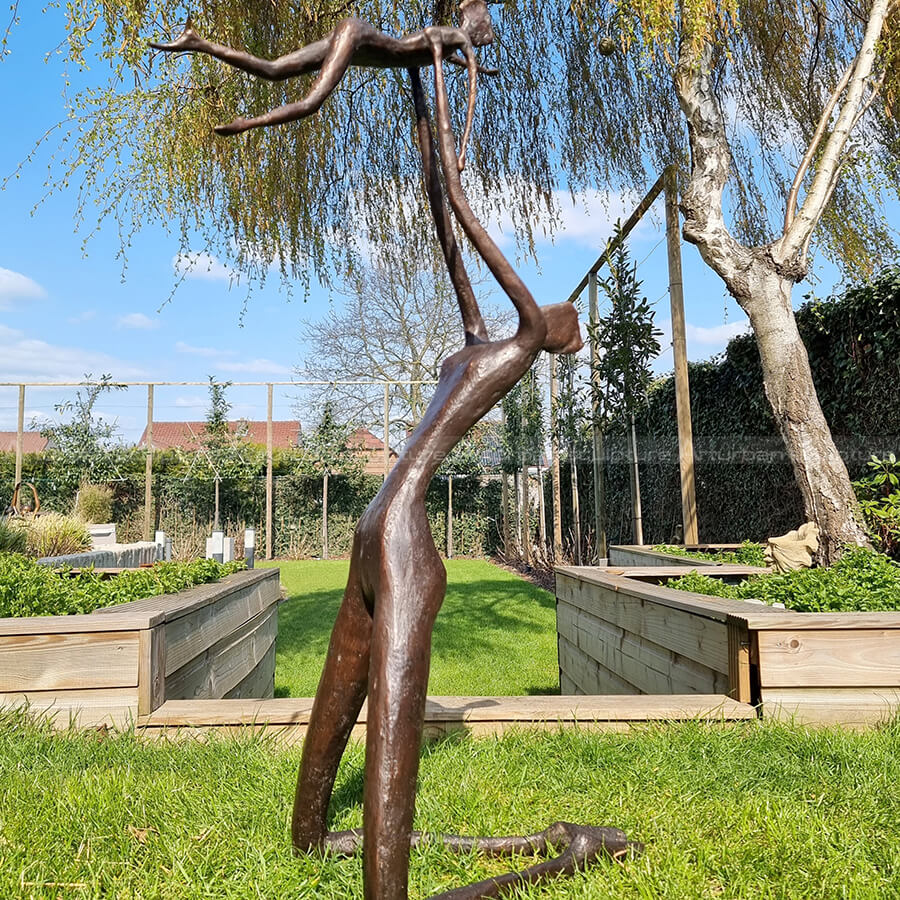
pixel 32 442
pixel 187 435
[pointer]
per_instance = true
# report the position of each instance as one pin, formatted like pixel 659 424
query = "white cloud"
pixel 203 267
pixel 182 347
pixel 27 359
pixel 267 366
pixel 137 321
pixel 191 402
pixel 15 286
pixel 587 218
pixel 85 316
pixel 719 335
pixel 702 341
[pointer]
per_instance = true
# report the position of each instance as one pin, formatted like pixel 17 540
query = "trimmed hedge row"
pixel 745 485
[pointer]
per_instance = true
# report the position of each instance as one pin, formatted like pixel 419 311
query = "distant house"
pixel 363 442
pixel 285 436
pixel 189 435
pixel 32 442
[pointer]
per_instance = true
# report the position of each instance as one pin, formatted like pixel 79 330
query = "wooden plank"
pixel 579 668
pixel 151 669
pixel 659 574
pixel 82 709
pixel 173 606
pixel 62 661
pixel 699 638
pixel 260 683
pixel 589 675
pixel 219 669
pixel 738 661
pixel 717 608
pixel 550 708
pixel 765 618
pixel 829 658
pixel 649 667
pixel 188 636
pixel 88 624
pixel 849 707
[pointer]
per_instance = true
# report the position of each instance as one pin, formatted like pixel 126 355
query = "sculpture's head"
pixel 475 20
pixel 563 332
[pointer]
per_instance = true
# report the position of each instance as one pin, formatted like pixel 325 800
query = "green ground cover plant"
pixel 748 554
pixel 27 589
pixel 860 581
pixel 754 810
pixel 495 634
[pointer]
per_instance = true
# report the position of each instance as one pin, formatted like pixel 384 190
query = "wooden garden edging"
pixel 619 634
pixel 287 719
pixel 640 555
pixel 109 667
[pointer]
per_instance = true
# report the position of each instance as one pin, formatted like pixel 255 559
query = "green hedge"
pixel 745 485
pixel 184 502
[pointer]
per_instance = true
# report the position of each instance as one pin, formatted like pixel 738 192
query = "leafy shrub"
pixel 53 534
pixel 860 581
pixel 29 589
pixel 879 500
pixel 12 539
pixel 94 502
pixel 748 554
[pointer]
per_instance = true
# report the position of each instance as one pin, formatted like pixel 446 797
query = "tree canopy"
pixel 307 196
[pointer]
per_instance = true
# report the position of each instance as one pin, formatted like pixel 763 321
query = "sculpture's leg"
pixel 344 41
pixel 398 679
pixel 298 62
pixel 340 695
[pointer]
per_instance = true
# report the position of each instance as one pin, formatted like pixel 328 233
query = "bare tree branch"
pixel 798 232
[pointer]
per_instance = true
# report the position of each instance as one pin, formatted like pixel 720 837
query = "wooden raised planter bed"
pixel 640 555
pixel 210 642
pixel 619 634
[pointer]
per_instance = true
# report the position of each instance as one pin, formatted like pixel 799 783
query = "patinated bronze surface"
pixel 381 643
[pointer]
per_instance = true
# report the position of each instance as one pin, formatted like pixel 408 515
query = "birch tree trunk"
pixel 761 279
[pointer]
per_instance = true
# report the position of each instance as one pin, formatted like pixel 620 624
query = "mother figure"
pixel 381 644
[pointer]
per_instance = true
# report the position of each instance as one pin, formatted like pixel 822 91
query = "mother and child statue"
pixel 380 648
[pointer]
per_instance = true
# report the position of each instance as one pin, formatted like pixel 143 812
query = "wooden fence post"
pixel 148 470
pixel 270 549
pixel 20 434
pixel 449 517
pixel 596 434
pixel 387 428
pixel 554 449
pixel 679 349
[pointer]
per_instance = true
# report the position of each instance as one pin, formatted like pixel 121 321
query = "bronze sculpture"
pixel 381 643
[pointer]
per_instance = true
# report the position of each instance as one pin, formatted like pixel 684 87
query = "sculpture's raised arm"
pixel 532 324
pixel 352 42
pixel 473 323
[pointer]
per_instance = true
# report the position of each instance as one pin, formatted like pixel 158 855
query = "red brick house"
pixel 285 435
pixel 32 442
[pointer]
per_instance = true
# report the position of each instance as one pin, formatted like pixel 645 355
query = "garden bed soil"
pixel 209 642
pixel 619 634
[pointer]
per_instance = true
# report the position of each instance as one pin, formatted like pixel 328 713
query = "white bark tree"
pixel 761 278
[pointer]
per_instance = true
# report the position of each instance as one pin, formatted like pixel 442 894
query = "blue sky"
pixel 65 312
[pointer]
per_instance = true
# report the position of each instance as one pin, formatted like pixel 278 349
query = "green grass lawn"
pixel 744 811
pixel 495 634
